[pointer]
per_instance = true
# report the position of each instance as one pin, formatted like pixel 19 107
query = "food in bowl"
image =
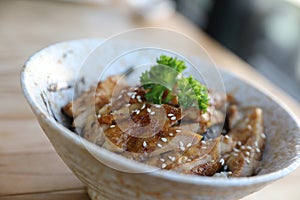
pixel 171 122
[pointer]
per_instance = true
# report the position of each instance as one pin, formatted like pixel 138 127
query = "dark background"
pixel 265 33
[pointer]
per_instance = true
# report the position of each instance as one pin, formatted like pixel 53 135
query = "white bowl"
pixel 57 66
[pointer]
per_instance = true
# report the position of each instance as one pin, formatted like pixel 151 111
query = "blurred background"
pixel 264 33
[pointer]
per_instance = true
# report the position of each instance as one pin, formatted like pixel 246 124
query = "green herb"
pixel 192 93
pixel 174 63
pixel 161 79
pixel 164 82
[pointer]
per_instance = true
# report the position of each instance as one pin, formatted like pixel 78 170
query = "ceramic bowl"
pixel 47 79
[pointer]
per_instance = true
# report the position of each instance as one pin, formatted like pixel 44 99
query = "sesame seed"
pixel 226 136
pixel 120 96
pixel 182 148
pixel 148 110
pixel 229 172
pixel 247 153
pixel 139 98
pixel 164 165
pixel 159 145
pixel 181 143
pixel 189 160
pixel 162 160
pixel 235 154
pixel 249 147
pixel 99 115
pixel 239 143
pixel 249 127
pixel 204 147
pixel 143 106
pixel 152 113
pixel 171 134
pixel 145 144
pixel 263 135
pixel 257 150
pixel 170 114
pixel 178 131
pixel 189 145
pixel 173 118
pixel 137 112
pixel 236 150
pixel 112 126
pixel 256 143
pixel 203 142
pixel 133 96
pixel 172 158
pixel 127 105
pixel 243 147
pixel 157 106
pixel 222 161
pixel 248 161
pixel 164 139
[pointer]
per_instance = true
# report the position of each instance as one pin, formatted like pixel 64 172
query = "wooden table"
pixel 29 166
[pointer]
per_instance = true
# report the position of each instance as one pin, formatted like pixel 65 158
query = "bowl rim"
pixel 168 175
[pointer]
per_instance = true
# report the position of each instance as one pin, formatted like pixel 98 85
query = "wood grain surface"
pixel 30 169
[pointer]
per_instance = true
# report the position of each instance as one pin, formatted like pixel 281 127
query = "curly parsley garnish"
pixel 165 81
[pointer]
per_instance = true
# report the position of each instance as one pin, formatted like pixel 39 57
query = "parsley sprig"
pixel 165 81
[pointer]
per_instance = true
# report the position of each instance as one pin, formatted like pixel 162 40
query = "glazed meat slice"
pixel 100 96
pixel 91 130
pixel 130 126
pixel 168 146
pixel 186 140
pixel 201 159
pixel 250 138
pixel 146 128
pixel 233 116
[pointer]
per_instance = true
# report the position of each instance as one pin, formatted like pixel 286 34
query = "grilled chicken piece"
pixel 166 136
pixel 100 96
pixel 139 122
pixel 128 96
pixel 233 116
pixel 176 141
pixel 92 130
pixel 217 99
pixel 250 138
pixel 193 127
pixel 201 159
pixel 227 144
pixel 203 120
pixel 170 145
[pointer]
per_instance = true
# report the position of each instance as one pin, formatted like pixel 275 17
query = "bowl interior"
pixel 49 77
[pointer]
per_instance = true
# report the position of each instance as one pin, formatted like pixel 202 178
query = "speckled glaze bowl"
pixel 47 79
